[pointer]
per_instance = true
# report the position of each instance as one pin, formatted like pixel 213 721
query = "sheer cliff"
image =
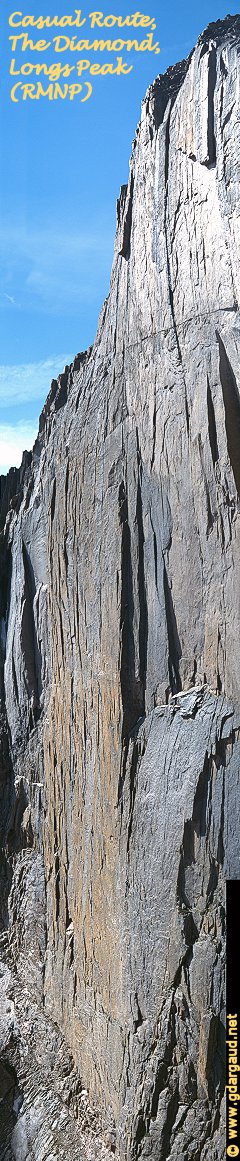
pixel 120 679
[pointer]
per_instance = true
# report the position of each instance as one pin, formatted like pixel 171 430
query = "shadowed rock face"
pixel 120 644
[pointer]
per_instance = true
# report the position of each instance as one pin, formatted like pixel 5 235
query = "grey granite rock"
pixel 120 680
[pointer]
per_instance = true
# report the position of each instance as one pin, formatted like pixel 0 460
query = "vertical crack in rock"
pixel 127 650
pixel 124 216
pixel 169 275
pixel 127 666
pixel 15 684
pixel 232 410
pixel 212 76
pixel 132 686
pixel 29 638
pixel 154 432
pixel 57 869
pixel 143 611
pixel 206 486
pixel 212 431
pixel 132 786
pixel 174 647
pixel 169 279
pixel 53 500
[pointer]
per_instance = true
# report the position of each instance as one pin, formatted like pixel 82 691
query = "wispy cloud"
pixel 52 269
pixel 14 439
pixel 29 382
pixel 9 298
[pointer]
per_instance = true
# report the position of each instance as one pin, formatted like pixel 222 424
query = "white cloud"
pixel 9 298
pixel 14 439
pixel 30 382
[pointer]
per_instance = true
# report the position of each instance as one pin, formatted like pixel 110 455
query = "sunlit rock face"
pixel 120 606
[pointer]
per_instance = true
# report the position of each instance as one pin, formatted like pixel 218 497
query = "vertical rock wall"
pixel 122 614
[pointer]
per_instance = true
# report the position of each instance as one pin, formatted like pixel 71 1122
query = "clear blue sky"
pixel 61 167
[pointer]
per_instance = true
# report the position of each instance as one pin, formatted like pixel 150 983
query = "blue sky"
pixel 61 167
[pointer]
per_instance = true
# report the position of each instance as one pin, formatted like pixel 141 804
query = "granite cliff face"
pixel 120 678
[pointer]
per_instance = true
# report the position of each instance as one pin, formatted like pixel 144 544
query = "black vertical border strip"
pixel 233 1001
